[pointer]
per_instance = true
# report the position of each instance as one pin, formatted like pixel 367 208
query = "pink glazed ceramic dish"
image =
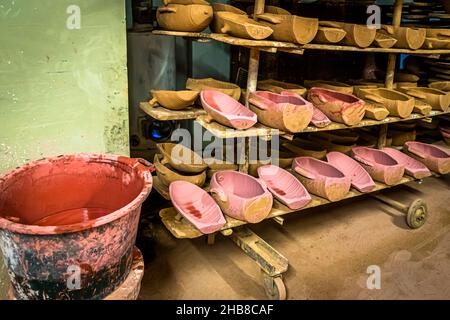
pixel 227 111
pixel 197 206
pixel 435 158
pixel 359 177
pixel 284 186
pixel 380 165
pixel 241 196
pixel 321 178
pixel 413 167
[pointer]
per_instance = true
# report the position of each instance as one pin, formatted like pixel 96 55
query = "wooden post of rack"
pixel 252 80
pixel 390 70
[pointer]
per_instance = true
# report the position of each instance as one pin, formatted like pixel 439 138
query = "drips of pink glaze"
pixel 284 186
pixel 197 206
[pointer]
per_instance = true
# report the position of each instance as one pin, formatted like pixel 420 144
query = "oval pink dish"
pixel 413 167
pixel 381 166
pixel 227 111
pixel 435 158
pixel 321 178
pixel 241 196
pixel 284 186
pixel 359 177
pixel 319 119
pixel 197 206
pixel 285 112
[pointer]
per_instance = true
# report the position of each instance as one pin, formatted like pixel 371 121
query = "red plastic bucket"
pixel 68 224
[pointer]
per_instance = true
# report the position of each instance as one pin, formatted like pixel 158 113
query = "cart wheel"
pixel 275 288
pixel 417 214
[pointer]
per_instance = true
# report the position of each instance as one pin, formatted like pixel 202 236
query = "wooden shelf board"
pixel 182 229
pixel 287 46
pixel 368 122
pixel 163 114
pixel 223 132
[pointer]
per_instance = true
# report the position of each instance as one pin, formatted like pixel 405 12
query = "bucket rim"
pixel 140 166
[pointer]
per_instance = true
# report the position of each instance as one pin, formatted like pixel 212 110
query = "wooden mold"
pixel 397 103
pixel 181 158
pixel 173 100
pixel 339 107
pixel 269 9
pixel 280 86
pixel 185 2
pixel 212 84
pixel 440 85
pixel 331 145
pixel 321 178
pixel 413 167
pixel 400 137
pixel 383 40
pixel 285 112
pixel 179 17
pixel 228 8
pixel 375 111
pixel 331 85
pixel 290 28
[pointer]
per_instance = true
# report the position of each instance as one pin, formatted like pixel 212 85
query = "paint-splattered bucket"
pixel 68 224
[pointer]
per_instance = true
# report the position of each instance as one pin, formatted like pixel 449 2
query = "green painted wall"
pixel 61 90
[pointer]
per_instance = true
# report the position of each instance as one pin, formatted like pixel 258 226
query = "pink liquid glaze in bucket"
pixel 68 224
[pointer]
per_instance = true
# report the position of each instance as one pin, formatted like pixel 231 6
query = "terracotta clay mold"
pixel 356 35
pixel 269 9
pixel 167 175
pixel 321 178
pixel 380 165
pixel 422 107
pixel 279 87
pixel 239 25
pixel 179 17
pixel 330 145
pixel 436 43
pixel 375 111
pixel 284 186
pixel 440 85
pixel 241 196
pixel 397 103
pixel 341 136
pixel 413 167
pixel 331 85
pixel 360 178
pixel 71 210
pixel 197 206
pixel 228 8
pixel 284 112
pixel 211 84
pixel 339 107
pixel 290 28
pixel 383 40
pixel 174 100
pixel 181 158
pixel 329 35
pixel 439 100
pixel 407 38
pixel 400 137
pixel 306 148
pixel 226 110
pixel 435 158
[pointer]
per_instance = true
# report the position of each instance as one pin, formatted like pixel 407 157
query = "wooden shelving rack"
pixel 272 263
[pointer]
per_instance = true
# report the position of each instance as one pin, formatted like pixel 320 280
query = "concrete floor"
pixel 328 250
